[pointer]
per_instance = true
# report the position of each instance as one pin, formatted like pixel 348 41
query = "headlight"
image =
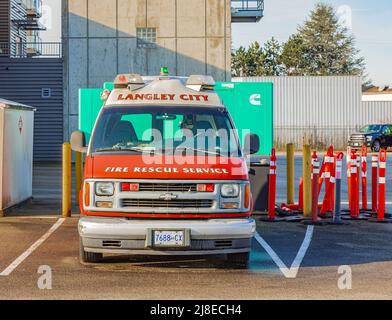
pixel 104 189
pixel 230 190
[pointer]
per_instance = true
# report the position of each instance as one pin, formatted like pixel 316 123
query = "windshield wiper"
pixel 198 150
pixel 136 150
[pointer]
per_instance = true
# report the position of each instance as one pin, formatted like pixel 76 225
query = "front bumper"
pixel 128 236
pixel 357 145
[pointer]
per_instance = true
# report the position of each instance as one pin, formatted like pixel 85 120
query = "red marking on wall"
pixel 20 125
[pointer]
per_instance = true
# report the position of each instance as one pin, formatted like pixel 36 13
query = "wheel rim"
pixel 376 146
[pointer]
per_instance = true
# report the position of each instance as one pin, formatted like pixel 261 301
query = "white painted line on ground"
pixel 386 202
pixel 30 250
pixel 293 270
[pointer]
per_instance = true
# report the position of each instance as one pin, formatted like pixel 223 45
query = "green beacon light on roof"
pixel 164 71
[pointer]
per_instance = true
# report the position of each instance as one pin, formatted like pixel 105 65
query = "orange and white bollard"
pixel 354 196
pixel 374 182
pixel 329 176
pixel 315 169
pixel 301 194
pixel 382 189
pixel 348 166
pixel 358 190
pixel 272 186
pixel 381 186
pixel 315 191
pixel 364 177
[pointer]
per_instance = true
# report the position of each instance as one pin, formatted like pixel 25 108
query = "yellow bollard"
pixel 290 173
pixel 66 180
pixel 307 184
pixel 78 174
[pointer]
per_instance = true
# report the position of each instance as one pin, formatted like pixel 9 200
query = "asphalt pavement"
pixel 39 259
pixel 274 272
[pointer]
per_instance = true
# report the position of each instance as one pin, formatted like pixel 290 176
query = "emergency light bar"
pixel 125 80
pixel 200 82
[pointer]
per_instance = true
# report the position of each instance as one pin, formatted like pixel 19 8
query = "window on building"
pixel 146 37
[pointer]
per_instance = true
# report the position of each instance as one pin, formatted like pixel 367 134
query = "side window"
pixel 387 130
pixel 141 123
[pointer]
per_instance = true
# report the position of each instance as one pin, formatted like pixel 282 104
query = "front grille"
pixel 157 203
pixel 357 138
pixel 111 243
pixel 223 244
pixel 168 187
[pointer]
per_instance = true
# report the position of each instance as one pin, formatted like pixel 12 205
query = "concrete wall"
pixel 99 36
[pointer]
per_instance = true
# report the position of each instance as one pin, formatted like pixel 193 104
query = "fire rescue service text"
pixel 167 170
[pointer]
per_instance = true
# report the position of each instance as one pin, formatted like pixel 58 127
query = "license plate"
pixel 168 238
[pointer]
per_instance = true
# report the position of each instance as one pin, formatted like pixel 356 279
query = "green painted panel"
pixel 90 103
pixel 251 107
pixel 249 103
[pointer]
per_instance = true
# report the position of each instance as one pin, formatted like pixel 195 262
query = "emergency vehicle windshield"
pixel 165 130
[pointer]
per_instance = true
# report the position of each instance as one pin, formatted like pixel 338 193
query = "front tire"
pixel 239 259
pixel 376 146
pixel 88 257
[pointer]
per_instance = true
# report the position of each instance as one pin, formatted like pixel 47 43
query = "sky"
pixel 51 19
pixel 370 22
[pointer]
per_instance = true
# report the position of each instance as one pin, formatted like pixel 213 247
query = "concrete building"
pixel 102 38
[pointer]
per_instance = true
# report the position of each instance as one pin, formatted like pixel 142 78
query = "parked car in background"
pixel 374 136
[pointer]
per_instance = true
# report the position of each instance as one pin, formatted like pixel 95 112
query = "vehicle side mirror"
pixel 78 142
pixel 252 144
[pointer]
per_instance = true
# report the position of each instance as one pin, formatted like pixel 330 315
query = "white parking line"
pixel 30 250
pixel 386 202
pixel 293 270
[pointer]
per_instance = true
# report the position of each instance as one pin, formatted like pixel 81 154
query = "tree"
pixel 322 46
pixel 248 62
pixel 272 58
pixel 239 63
pixel 292 56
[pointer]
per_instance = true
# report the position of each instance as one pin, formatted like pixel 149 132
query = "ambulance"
pixel 165 173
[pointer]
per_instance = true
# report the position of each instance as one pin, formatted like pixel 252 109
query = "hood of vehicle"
pixel 167 168
pixel 362 134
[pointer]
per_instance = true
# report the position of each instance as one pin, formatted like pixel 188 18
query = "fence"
pixel 30 49
pixel 318 137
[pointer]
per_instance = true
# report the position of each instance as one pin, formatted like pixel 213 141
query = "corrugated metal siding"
pixel 18 12
pixel 377 111
pixel 320 110
pixel 4 21
pixel 22 80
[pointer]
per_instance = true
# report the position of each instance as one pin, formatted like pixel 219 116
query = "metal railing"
pixel 30 49
pixel 247 5
pixel 247 10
